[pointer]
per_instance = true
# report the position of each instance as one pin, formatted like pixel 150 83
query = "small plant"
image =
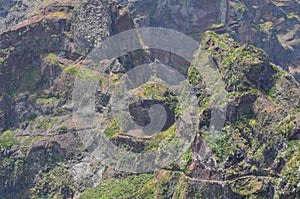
pixel 71 69
pixel 53 58
pixel 239 6
pixel 219 25
pixel 62 128
pixel 186 158
pixel 7 140
pixel 44 124
pixel 47 100
pixel 194 76
pixel 256 26
pixel 83 72
pixel 2 60
pixel 112 129
pixel 292 15
pixel 161 137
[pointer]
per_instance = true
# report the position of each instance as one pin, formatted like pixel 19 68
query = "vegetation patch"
pixel 135 186
pixel 60 15
pixel 7 140
pixel 291 174
pixel 160 137
pixel 292 15
pixel 44 124
pixel 53 58
pixel 112 129
pixel 186 159
pixel 154 91
pixel 247 186
pixel 55 184
pixel 239 6
pixel 83 72
pixel 47 100
pixel 219 25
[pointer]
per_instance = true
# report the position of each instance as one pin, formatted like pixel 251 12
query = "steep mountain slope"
pixel 270 25
pixel 250 156
pixel 43 45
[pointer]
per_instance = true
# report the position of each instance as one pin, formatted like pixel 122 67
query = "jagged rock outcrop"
pixel 263 24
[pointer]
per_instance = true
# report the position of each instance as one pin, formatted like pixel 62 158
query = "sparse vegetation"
pixel 83 72
pixel 50 100
pixel 54 184
pixel 160 137
pixel 112 129
pixel 239 6
pixel 219 25
pixel 7 140
pixel 135 186
pixel 292 15
pixel 44 124
pixel 53 58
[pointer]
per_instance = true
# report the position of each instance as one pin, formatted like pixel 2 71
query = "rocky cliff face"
pixel 270 25
pixel 42 49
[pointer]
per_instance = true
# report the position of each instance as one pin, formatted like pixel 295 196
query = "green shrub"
pixel 220 25
pixel 112 129
pixel 7 140
pixel 47 100
pixel 44 124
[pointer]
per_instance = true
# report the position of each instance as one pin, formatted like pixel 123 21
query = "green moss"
pixel 252 122
pixel 285 127
pixel 2 60
pixel 239 6
pixel 7 140
pixel 53 58
pixel 62 128
pixel 165 136
pixel 187 158
pixel 154 91
pixel 219 25
pixel 216 39
pixel 72 69
pixel 151 90
pixel 256 26
pixel 7 51
pixel 83 72
pixel 194 76
pixel 112 129
pixel 292 15
pixel 44 124
pixel 135 186
pixel 47 100
pixel 152 145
